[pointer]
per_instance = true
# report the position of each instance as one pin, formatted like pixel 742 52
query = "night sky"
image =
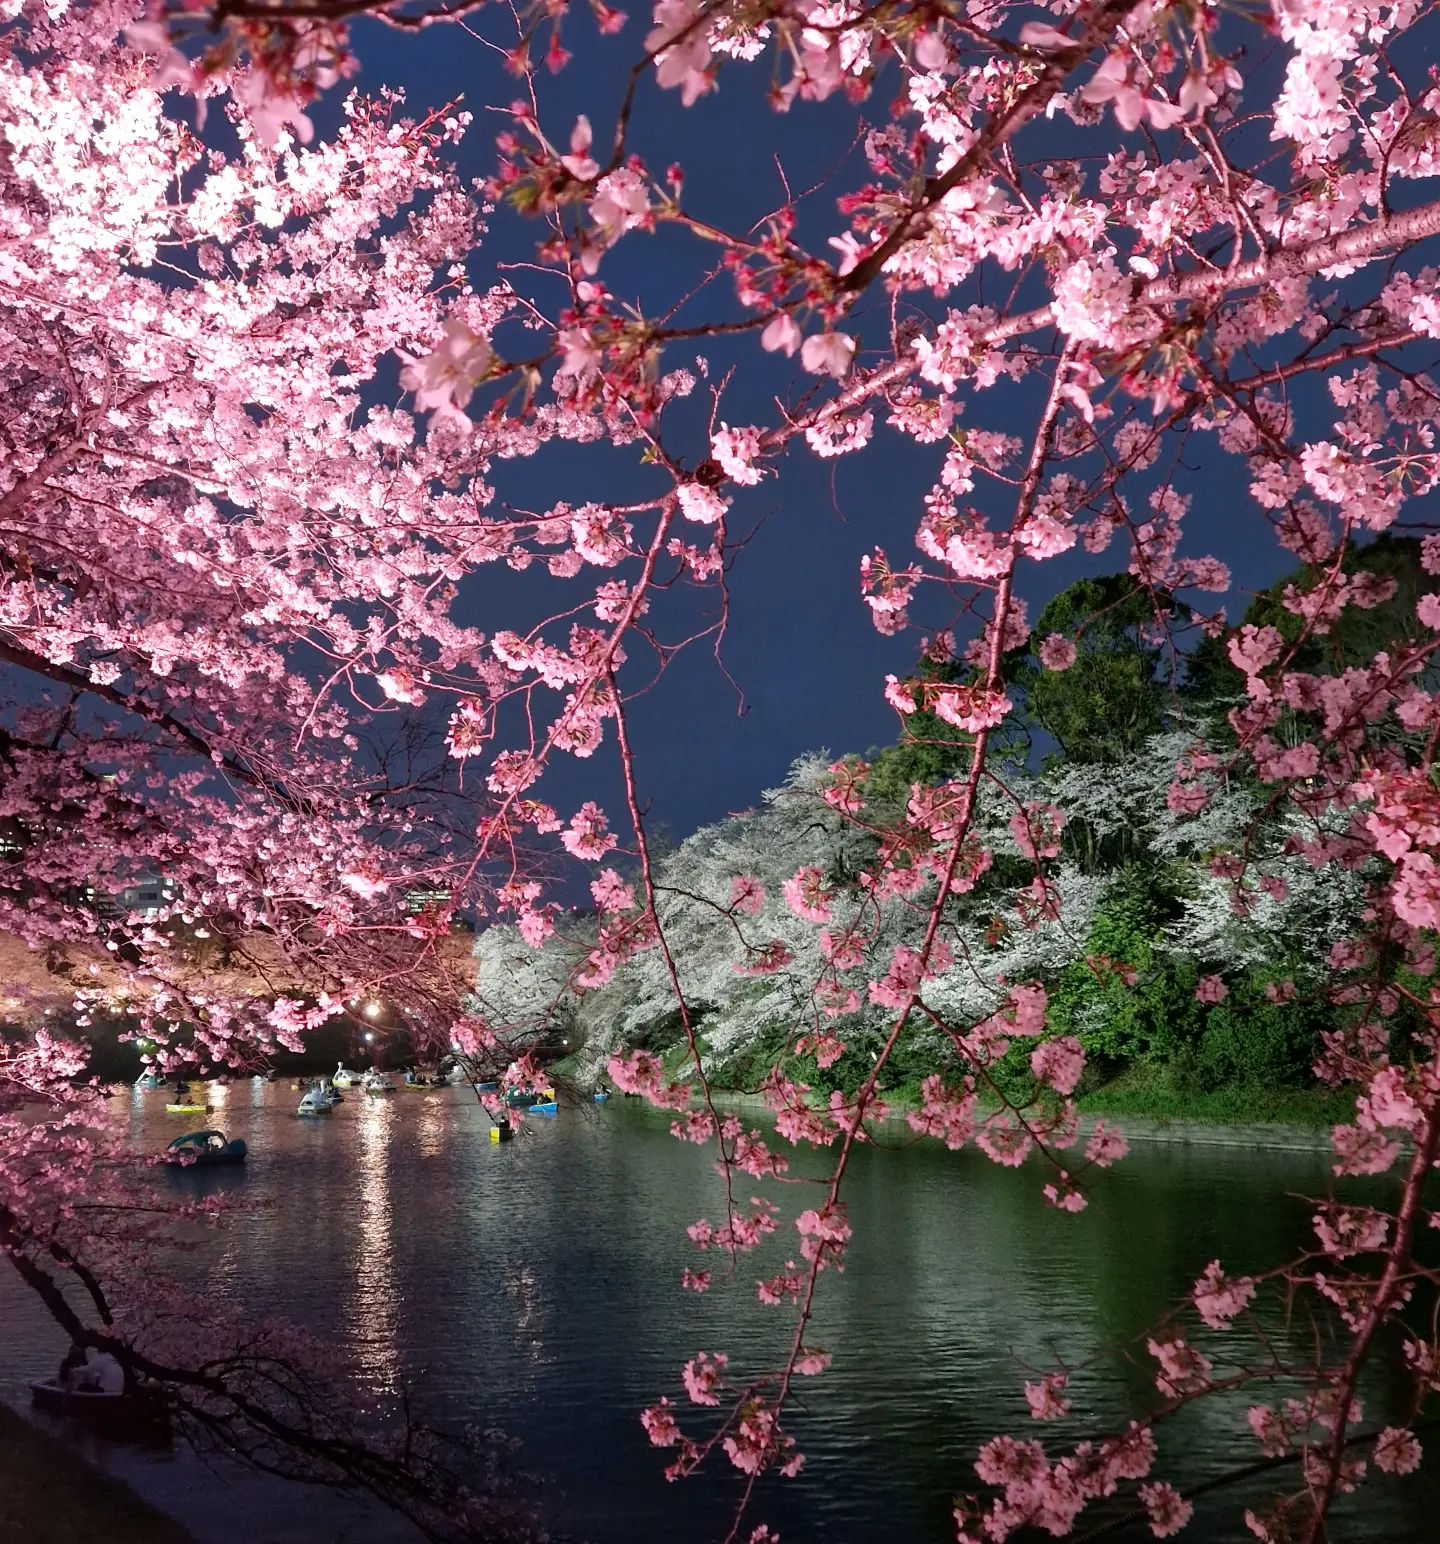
pixel 800 644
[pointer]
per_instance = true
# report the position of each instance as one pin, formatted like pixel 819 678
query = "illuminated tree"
pixel 228 566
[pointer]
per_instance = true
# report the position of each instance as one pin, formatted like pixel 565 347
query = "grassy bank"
pixel 1151 1094
pixel 49 1496
pixel 1146 1094
pixel 1142 1092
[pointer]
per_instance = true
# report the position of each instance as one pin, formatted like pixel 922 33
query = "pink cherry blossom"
pixel 1211 990
pixel 587 836
pixel 1111 83
pixel 1046 1398
pixel 611 892
pixel 766 960
pixel 1183 1369
pixel 444 380
pixel 703 1374
pixel 736 450
pixel 781 335
pixel 1036 830
pixel 901 981
pixel 578 163
pixel 1059 1063
pixel 1004 1142
pixel 1169 1511
pixel 806 896
pixel 1397 1451
pixel 680 49
pixel 701 504
pixel 1186 798
pixel 1219 1298
pixel 1254 649
pixel 972 709
pixel 828 354
pixel 1106 1146
pixel 660 1426
pixel 1056 653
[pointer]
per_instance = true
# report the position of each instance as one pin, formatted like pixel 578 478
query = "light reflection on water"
pixel 534 1286
pixel 375 1299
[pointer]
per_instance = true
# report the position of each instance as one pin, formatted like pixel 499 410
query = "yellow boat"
pixel 501 1133
pixel 187 1109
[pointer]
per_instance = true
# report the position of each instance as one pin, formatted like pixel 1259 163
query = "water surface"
pixel 535 1286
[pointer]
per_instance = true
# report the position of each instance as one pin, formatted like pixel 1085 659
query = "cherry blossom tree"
pixel 1083 249
pixel 219 621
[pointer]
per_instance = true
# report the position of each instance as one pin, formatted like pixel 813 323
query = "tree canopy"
pixel 366 482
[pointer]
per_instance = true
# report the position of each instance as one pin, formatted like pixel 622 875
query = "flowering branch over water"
pixel 230 578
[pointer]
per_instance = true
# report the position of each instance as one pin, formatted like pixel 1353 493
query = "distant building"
pixel 435 899
pixel 146 893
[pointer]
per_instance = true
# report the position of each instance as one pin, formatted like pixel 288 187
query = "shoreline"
pixel 51 1495
pixel 1171 1130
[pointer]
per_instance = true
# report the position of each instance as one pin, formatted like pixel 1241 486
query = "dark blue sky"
pixel 800 643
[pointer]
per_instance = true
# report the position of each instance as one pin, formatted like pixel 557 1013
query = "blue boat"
pixel 549 1108
pixel 528 1098
pixel 601 1095
pixel 199 1148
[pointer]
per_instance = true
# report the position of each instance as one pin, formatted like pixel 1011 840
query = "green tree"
pixel 1351 640
pixel 1120 1021
pixel 929 750
pixel 1115 696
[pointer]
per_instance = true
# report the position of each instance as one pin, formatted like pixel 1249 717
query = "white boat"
pixel 317 1101
pixel 376 1083
pixel 342 1077
pixel 117 1414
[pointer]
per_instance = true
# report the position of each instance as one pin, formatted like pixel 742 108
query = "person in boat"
pixel 103 1373
pixel 91 1372
pixel 70 1365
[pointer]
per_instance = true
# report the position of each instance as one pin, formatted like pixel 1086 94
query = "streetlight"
pixel 369 1037
pixel 372 1010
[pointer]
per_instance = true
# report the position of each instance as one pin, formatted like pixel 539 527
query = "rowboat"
pixel 198 1148
pixel 528 1098
pixel 121 1414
